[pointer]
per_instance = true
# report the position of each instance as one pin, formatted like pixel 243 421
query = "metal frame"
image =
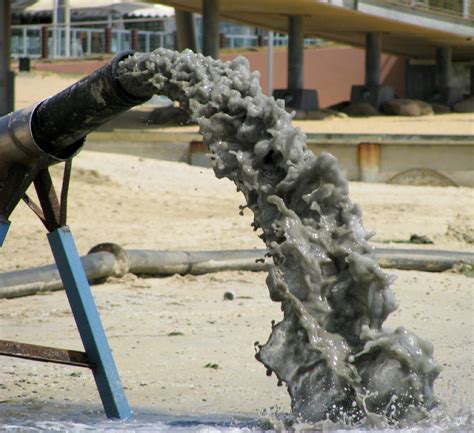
pixel 97 355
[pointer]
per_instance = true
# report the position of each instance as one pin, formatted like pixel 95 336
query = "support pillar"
pixel 295 95
pixel 443 67
pixel 6 75
pixel 210 28
pixel 445 91
pixel 373 52
pixel 185 31
pixel 372 91
pixel 295 52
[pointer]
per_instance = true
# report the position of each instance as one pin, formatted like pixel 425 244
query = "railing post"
pixel 25 42
pixel 44 42
pixel 108 40
pixel 135 42
pixel 89 43
pixel 221 40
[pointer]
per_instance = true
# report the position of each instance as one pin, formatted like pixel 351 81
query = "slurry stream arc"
pixel 330 349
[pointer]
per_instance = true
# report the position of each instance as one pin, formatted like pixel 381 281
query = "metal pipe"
pixel 33 138
pixel 107 260
pixel 62 120
pixel 56 127
pixel 196 262
pixel 46 278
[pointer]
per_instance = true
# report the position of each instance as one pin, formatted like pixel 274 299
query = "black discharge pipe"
pixel 67 117
pixel 54 130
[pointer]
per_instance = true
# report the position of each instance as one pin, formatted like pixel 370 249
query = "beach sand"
pixel 142 203
pixel 151 204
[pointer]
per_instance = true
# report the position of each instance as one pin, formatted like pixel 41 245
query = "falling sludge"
pixel 330 349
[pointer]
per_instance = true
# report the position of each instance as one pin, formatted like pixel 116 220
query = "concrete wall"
pixel 332 71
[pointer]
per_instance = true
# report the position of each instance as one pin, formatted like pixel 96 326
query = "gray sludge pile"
pixel 330 348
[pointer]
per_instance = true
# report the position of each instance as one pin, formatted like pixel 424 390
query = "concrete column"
pixel 210 28
pixel 6 75
pixel 295 52
pixel 443 67
pixel 185 31
pixel 373 52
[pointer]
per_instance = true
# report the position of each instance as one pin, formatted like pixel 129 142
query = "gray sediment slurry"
pixel 330 349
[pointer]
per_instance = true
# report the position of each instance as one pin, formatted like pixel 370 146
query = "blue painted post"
pixel 88 322
pixel 4 226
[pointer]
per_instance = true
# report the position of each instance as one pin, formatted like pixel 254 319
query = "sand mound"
pixel 465 106
pixel 407 107
pixel 361 109
pixel 461 230
pixel 324 113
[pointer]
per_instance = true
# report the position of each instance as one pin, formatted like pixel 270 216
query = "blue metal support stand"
pixel 88 323
pixel 53 213
pixel 4 226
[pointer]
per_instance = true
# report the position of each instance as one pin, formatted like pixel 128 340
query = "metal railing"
pixel 27 41
pixel 453 9
pixel 85 42
pixel 232 41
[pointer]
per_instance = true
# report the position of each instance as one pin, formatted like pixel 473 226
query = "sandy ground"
pixel 161 205
pixel 144 203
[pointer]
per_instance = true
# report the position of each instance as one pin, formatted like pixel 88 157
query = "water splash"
pixel 330 348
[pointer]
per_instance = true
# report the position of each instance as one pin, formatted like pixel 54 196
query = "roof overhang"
pixel 409 32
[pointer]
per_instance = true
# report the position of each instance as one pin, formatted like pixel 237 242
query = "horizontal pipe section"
pixel 100 265
pixel 46 278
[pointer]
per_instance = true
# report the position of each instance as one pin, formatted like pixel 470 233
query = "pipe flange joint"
pixel 122 262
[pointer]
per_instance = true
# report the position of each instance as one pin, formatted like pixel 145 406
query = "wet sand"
pixel 141 203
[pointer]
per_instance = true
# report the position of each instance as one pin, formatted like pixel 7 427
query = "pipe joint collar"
pixel 18 144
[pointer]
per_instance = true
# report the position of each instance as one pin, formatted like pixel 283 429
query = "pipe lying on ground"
pixel 106 260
